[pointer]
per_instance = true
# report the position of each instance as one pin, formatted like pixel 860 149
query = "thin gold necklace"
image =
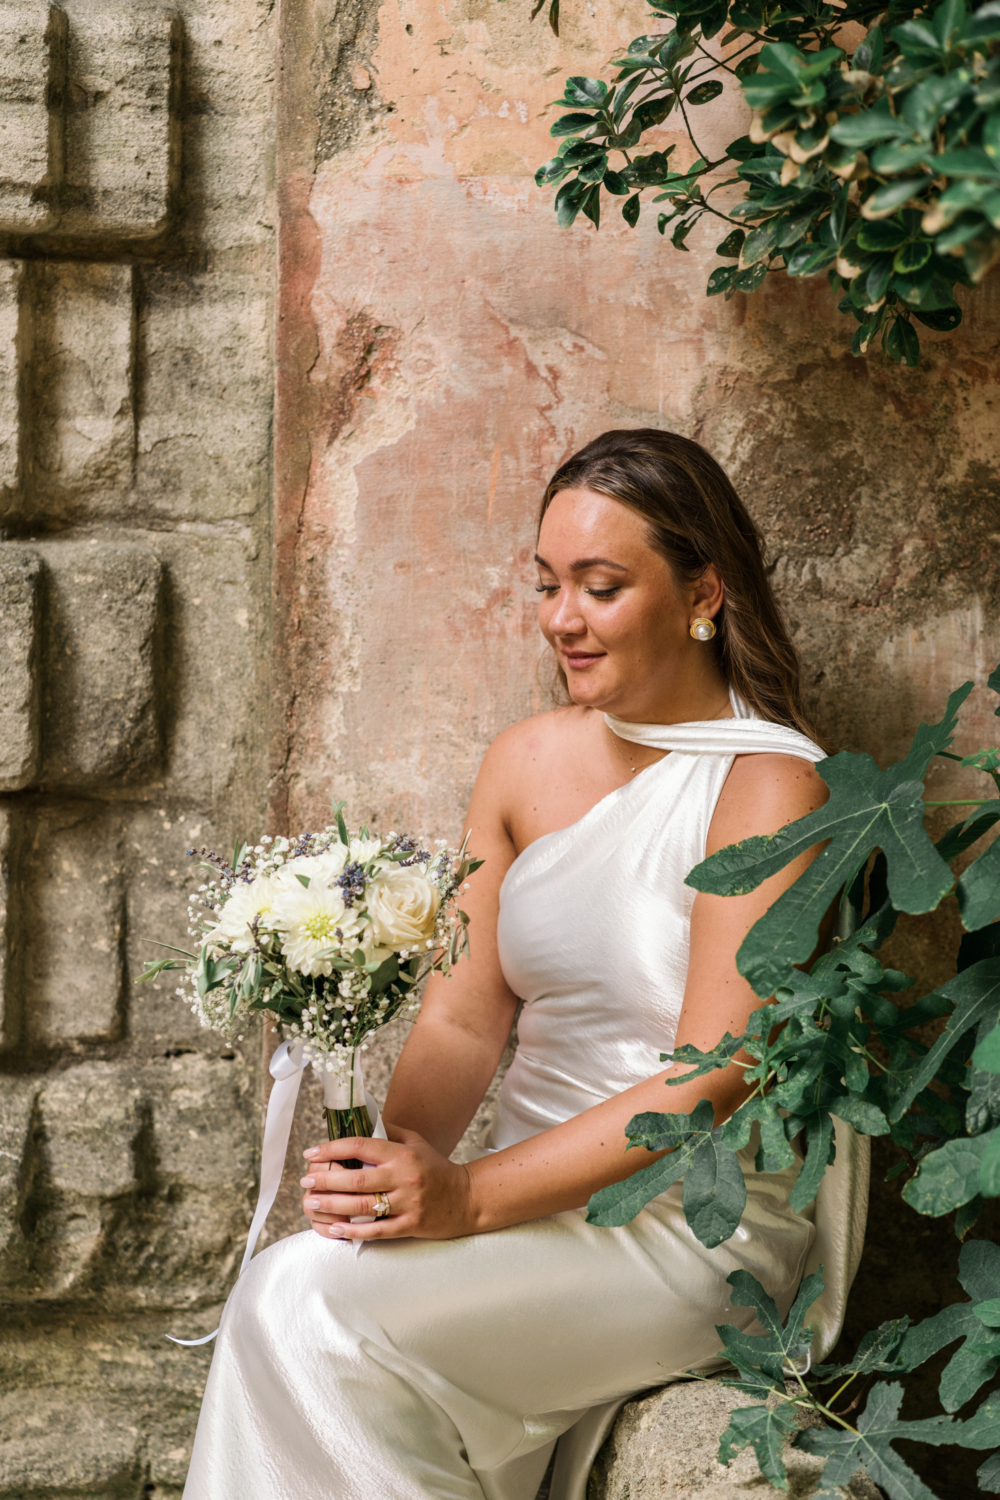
pixel 627 758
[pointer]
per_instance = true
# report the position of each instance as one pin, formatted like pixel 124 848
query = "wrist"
pixel 475 1214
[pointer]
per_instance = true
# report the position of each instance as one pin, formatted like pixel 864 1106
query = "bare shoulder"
pixel 522 748
pixel 762 793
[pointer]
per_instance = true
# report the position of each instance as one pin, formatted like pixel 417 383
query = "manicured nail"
pixel 336 1232
pixel 311 1203
pixel 313 1151
pixel 307 1182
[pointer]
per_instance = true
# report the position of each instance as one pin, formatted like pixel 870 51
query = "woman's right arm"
pixel 453 1051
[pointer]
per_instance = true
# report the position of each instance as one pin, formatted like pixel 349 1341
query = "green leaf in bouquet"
pixel 383 974
pixel 868 808
pixel 303 880
pixel 160 966
pixel 210 972
pixel 338 813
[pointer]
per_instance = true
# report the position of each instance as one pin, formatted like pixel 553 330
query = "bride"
pixel 490 1319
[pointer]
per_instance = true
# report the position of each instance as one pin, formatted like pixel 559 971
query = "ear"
pixel 709 592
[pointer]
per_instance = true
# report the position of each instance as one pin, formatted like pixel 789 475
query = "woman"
pixel 491 1319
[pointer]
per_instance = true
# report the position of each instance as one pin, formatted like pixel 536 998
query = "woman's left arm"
pixel 433 1198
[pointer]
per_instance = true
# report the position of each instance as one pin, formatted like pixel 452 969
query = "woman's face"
pixel 615 616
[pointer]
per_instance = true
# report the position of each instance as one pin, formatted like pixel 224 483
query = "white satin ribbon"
pixel 286 1068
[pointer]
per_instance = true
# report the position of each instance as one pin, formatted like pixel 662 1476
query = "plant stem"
pixel 962 802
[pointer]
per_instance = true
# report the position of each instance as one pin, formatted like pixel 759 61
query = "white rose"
pixel 403 906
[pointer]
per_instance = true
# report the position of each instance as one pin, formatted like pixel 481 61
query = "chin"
pixel 590 694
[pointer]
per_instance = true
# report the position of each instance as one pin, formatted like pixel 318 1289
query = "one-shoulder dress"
pixel 452 1368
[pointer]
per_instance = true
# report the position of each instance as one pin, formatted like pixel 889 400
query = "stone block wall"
pixel 135 426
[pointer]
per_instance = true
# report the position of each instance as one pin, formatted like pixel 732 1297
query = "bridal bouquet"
pixel 327 934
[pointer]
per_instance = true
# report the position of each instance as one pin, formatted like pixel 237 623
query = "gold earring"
pixel 702 629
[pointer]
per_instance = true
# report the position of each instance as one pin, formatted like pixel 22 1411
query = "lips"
pixel 580 659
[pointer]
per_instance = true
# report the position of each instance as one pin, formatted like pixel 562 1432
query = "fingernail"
pixel 336 1233
pixel 307 1182
pixel 313 1151
pixel 311 1203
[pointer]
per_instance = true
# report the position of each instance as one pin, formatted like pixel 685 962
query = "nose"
pixel 566 618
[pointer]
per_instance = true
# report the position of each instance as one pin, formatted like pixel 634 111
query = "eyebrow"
pixel 584 563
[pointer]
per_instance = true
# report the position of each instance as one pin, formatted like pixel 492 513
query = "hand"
pixel 430 1196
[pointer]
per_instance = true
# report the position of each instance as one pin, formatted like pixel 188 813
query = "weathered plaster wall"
pixel 135 420
pixel 445 345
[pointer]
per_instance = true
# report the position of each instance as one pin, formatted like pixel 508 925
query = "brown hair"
pixel 695 518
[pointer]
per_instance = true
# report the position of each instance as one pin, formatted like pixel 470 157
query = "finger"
pixel 396 1227
pixel 363 1148
pixel 350 1180
pixel 338 1205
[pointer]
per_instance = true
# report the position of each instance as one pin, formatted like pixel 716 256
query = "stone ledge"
pixel 664 1446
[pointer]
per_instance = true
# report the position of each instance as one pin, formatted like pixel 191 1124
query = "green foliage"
pixel 833 1041
pixel 881 170
pixel 774 1365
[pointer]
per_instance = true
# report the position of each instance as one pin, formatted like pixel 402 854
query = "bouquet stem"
pixel 346 1111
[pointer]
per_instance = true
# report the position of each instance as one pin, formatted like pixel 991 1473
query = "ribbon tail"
pixel 286 1069
pixel 193 1343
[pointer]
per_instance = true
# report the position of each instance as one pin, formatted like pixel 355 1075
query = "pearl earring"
pixel 702 629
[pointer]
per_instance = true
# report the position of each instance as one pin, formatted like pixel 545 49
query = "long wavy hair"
pixel 695 518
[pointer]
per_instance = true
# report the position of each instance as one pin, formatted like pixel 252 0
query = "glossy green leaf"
pixel 630 210
pixel 704 93
pixel 731 246
pixel 943 320
pixel 902 342
pixel 721 280
pixel 572 124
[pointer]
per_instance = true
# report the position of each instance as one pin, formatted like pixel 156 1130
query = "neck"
pixel 707 697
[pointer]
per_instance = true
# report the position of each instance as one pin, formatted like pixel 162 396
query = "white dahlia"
pixel 323 868
pixel 245 903
pixel 312 921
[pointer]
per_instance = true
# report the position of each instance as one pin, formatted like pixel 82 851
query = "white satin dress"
pixel 451 1368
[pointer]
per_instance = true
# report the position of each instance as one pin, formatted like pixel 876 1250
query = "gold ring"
pixel 383 1208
